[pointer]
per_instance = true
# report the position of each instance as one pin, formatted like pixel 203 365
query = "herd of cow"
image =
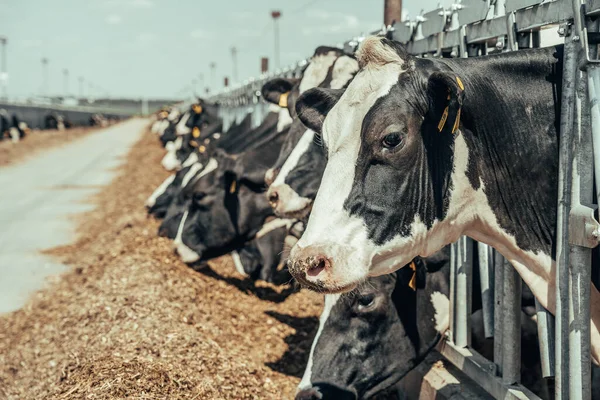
pixel 366 164
pixel 14 129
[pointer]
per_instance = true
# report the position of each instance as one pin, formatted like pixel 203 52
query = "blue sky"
pixel 154 48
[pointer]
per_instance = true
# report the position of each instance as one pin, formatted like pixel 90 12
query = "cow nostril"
pixel 273 198
pixel 317 265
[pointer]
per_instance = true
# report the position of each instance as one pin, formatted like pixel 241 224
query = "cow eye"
pixel 365 302
pixel 392 140
pixel 198 196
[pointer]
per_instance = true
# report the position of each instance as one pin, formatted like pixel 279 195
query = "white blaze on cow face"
pixel 317 70
pixel 190 174
pixel 192 158
pixel 330 301
pixel 289 201
pixel 187 255
pixel 331 230
pixel 180 128
pixel 170 161
pixel 159 191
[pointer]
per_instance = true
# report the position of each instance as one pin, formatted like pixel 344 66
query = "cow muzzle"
pixel 315 270
pixel 286 203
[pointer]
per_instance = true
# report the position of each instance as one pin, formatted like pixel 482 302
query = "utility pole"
pixel 234 62
pixel 45 83
pixel 392 11
pixel 65 83
pixel 3 72
pixel 81 88
pixel 213 83
pixel 276 15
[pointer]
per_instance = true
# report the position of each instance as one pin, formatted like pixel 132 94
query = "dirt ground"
pixel 132 321
pixel 38 140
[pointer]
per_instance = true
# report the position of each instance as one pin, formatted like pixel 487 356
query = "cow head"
pixel 226 210
pixel 284 92
pixel 369 340
pixel 302 163
pixel 392 186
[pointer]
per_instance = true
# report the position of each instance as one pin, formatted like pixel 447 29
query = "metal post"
pixel 461 288
pixel 276 15
pixel 45 83
pixel 392 11
pixel 3 71
pixel 234 76
pixel 81 87
pixel 511 325
pixel 580 260
pixel 213 82
pixel 562 221
pixel 545 327
pixel 486 278
pixel 498 316
pixel 65 82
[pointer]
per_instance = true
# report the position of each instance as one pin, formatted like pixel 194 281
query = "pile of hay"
pixel 132 321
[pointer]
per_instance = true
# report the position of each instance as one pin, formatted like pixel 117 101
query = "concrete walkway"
pixel 37 198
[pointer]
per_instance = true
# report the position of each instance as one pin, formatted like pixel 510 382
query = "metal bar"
pixel 545 327
pixel 461 328
pixel 562 225
pixel 498 316
pixel 580 261
pixel 486 278
pixel 511 325
pixel 483 372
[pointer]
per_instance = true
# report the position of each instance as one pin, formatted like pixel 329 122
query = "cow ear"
pixel 276 90
pixel 314 105
pixel 446 94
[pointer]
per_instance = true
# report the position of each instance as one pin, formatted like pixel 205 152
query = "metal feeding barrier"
pixel 478 27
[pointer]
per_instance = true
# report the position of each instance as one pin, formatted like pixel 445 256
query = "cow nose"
pixel 309 394
pixel 310 268
pixel 273 198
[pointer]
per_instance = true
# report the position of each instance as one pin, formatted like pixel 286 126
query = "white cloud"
pixel 113 19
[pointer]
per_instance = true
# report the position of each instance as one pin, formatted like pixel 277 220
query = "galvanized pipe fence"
pixel 479 27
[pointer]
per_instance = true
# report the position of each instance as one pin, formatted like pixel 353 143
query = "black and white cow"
pixel 370 339
pixel 11 127
pixel 297 174
pixel 421 151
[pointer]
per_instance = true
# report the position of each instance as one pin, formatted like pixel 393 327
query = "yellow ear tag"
pixel 413 281
pixel 197 108
pixel 193 143
pixel 201 149
pixel 460 84
pixel 232 187
pixel 283 99
pixel 456 122
pixel 443 119
pixel 196 132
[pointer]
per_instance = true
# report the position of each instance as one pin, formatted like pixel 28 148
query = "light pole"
pixel 234 75
pixel 213 83
pixel 276 15
pixel 45 83
pixel 3 72
pixel 81 88
pixel 66 83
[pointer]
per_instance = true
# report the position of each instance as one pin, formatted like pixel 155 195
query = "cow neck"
pixel 242 141
pixel 513 156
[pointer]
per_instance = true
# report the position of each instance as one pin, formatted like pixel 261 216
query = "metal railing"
pixel 479 27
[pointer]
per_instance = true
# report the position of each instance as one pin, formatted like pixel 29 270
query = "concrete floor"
pixel 37 198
